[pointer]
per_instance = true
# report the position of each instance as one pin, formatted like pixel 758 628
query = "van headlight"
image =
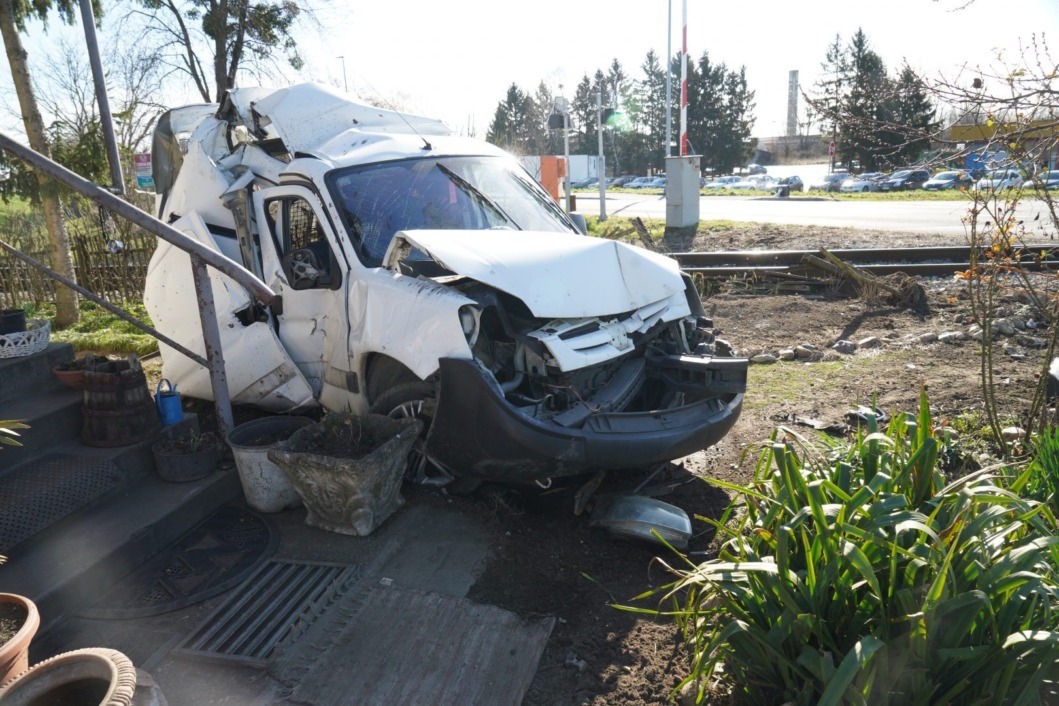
pixel 469 323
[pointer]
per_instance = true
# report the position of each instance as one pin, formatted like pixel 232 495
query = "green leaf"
pixel 855 661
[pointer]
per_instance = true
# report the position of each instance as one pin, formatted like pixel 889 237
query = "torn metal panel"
pixel 308 115
pixel 555 274
pixel 259 370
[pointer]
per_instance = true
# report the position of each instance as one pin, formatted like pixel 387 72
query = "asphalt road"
pixel 909 216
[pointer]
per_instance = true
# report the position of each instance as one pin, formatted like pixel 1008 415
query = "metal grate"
pixel 280 601
pixel 36 495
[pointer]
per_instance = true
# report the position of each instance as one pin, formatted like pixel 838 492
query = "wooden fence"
pixel 117 276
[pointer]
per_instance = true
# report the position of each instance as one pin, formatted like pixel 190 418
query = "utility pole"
pixel 602 164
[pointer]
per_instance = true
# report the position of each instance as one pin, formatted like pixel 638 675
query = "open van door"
pixel 258 368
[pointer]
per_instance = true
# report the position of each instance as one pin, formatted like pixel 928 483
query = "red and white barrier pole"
pixel 684 83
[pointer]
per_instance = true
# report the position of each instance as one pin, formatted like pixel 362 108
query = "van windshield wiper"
pixel 473 191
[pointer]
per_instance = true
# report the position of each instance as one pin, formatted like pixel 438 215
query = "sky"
pixel 455 60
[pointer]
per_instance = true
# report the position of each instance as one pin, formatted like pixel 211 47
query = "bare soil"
pixel 549 562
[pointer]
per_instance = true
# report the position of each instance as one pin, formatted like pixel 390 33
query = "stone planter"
pixel 348 470
pixel 14 654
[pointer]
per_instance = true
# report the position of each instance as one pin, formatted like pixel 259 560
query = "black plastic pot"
pixel 12 321
pixel 181 466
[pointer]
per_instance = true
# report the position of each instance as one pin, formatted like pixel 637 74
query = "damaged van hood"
pixel 556 275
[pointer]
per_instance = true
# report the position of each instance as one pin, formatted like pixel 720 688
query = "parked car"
pixel 758 182
pixel 723 182
pixel 794 183
pixel 869 181
pixel 620 181
pixel 1049 180
pixel 829 182
pixel 755 169
pixel 428 275
pixel 905 179
pixel 639 182
pixel 948 180
pixel 1000 179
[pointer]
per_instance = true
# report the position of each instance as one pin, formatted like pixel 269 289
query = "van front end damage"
pixel 477 431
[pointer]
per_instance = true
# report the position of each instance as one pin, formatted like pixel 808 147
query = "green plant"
pixel 854 575
pixel 1041 479
pixel 7 430
pixel 190 443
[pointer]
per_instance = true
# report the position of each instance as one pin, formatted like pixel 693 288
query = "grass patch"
pixel 103 332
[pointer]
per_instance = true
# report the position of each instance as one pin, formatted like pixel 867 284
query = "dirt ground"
pixel 549 562
pixel 552 563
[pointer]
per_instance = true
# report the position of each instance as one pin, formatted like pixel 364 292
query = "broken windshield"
pixel 452 193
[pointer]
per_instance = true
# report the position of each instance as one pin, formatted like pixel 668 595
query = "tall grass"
pixel 854 574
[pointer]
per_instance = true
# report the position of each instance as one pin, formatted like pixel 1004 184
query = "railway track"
pixel 921 262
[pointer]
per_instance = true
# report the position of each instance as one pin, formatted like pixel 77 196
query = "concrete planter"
pixel 348 470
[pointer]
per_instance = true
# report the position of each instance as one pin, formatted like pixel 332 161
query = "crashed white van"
pixel 426 274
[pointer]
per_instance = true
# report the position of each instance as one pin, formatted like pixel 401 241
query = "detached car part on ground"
pixel 428 275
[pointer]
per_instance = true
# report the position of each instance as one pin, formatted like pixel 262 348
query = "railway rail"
pixel 922 262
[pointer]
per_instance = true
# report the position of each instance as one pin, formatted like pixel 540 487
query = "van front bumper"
pixel 476 433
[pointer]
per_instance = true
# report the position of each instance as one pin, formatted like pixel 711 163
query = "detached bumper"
pixel 476 433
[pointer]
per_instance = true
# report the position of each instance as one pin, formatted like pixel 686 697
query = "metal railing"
pixel 201 257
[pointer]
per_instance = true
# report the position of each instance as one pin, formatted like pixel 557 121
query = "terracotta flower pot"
pixel 74 379
pixel 94 676
pixel 14 654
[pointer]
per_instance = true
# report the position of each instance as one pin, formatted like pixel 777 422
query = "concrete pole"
pixel 602 166
pixel 106 122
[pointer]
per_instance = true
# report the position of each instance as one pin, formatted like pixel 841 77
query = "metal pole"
pixel 240 274
pixel 566 156
pixel 669 82
pixel 345 83
pixel 117 183
pixel 602 166
pixel 211 338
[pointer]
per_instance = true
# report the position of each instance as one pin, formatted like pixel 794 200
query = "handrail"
pixel 201 256
pixel 124 316
pixel 233 269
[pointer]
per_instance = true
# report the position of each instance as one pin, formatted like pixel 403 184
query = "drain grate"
pixel 39 494
pixel 279 602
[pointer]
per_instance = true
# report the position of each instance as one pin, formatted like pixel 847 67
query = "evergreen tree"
pixel 863 107
pixel 511 125
pixel 912 116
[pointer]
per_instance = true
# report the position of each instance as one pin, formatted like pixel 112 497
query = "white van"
pixel 426 274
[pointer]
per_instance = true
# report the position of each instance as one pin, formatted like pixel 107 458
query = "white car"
pixel 723 182
pixel 426 274
pixel 1000 179
pixel 869 181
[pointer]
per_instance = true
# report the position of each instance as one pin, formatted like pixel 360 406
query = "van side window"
pixel 307 259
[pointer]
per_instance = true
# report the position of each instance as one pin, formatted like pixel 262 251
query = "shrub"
pixel 854 575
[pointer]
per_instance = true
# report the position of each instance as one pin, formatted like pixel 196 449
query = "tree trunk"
pixel 59 245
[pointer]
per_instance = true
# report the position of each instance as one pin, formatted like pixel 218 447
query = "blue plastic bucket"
pixel 168 402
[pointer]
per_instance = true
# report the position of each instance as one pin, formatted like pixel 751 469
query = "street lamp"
pixel 345 84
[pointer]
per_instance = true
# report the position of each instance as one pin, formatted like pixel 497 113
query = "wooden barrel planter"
pixel 118 409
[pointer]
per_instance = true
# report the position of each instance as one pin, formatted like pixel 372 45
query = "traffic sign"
pixel 831 150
